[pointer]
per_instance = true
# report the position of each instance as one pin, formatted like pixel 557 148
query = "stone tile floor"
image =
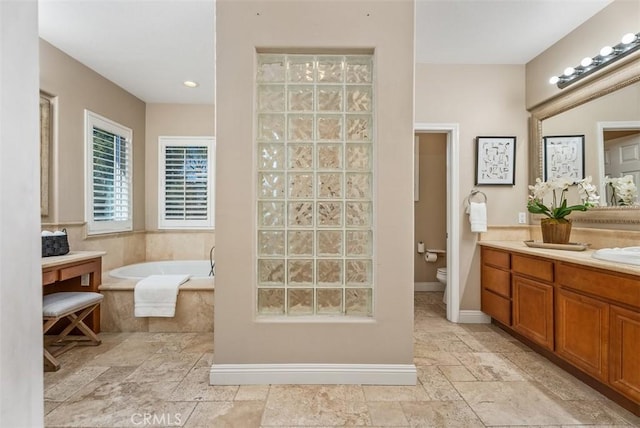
pixel 469 376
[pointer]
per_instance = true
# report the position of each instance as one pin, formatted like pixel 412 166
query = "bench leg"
pixel 53 363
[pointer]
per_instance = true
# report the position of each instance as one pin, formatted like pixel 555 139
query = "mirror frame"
pixel 614 77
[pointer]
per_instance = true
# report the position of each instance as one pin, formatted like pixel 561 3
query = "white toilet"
pixel 431 256
pixel 441 275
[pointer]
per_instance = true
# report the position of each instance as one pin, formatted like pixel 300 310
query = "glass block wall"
pixel 314 142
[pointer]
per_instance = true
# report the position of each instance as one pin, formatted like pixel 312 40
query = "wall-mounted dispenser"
pixel 431 256
pixel 420 247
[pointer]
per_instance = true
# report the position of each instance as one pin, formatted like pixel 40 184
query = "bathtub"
pixel 198 269
pixel 194 307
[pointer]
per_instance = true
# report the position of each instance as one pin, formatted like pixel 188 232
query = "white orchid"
pixel 559 209
pixel 623 190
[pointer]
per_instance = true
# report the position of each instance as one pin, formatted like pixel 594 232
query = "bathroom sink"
pixel 628 255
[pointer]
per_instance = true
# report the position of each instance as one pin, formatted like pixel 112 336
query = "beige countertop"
pixel 72 256
pixel 578 257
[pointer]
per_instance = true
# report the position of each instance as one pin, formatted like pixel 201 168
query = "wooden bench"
pixel 74 306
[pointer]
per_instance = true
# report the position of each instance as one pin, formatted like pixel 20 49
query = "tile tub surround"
pixel 469 376
pixel 194 308
pixel 139 246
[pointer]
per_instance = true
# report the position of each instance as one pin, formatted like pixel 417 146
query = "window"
pixel 186 179
pixel 109 160
pixel 315 147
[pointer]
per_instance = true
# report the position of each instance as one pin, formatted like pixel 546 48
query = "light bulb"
pixel 190 84
pixel 586 62
pixel 606 51
pixel 554 79
pixel 569 71
pixel 628 38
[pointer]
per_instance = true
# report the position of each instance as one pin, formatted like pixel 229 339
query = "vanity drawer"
pixel 497 307
pixel 617 287
pixel 496 258
pixel 496 280
pixel 49 277
pixel 78 270
pixel 532 267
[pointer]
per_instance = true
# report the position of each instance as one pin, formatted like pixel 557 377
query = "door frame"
pixel 453 215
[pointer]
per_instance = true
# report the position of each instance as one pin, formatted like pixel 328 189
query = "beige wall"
pixel 485 100
pixel 78 88
pixel 386 27
pixel 431 208
pixel 180 120
pixel 605 28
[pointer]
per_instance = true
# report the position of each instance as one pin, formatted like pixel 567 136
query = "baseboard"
pixel 473 317
pixel 428 286
pixel 313 374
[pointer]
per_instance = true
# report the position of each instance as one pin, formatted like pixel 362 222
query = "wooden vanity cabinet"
pixel 533 298
pixel 624 351
pixel 586 319
pixel 582 332
pixel 495 294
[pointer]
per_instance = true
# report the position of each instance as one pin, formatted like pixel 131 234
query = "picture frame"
pixel 495 161
pixel 563 157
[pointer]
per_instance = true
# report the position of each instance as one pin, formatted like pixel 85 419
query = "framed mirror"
pixel 597 108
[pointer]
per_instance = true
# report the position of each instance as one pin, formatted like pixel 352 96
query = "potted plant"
pixel 556 227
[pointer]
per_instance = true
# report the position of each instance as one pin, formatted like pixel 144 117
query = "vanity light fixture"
pixel 190 84
pixel 630 43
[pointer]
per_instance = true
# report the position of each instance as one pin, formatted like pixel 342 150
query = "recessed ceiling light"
pixel 190 83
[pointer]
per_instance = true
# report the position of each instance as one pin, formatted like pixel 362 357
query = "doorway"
pixel 453 216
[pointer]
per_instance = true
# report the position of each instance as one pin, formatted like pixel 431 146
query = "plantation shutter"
pixel 111 181
pixel 186 183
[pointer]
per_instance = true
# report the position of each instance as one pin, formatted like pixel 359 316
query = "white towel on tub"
pixel 156 295
pixel 478 216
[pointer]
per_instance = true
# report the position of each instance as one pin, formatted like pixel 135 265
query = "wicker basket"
pixel 56 245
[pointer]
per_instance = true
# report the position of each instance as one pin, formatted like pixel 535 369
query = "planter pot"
pixel 555 231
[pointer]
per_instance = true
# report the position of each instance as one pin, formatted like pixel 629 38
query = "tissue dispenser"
pixel 431 256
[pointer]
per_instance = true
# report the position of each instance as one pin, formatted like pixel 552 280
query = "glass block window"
pixel 314 142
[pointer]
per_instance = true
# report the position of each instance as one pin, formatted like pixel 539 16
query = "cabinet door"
pixel 533 310
pixel 582 332
pixel 624 373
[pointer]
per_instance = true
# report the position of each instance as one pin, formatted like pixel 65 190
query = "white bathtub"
pixel 196 268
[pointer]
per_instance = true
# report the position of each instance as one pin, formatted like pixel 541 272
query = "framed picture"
pixel 563 157
pixel 495 160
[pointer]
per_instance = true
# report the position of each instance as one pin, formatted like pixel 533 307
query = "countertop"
pixel 72 256
pixel 577 257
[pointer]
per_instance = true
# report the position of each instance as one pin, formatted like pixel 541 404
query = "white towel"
pixel 156 295
pixel 478 216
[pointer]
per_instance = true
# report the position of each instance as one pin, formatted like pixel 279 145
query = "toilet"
pixel 431 256
pixel 441 275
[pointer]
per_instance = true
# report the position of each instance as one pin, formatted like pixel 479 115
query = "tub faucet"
pixel 212 272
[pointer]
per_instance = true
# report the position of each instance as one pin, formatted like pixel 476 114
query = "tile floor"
pixel 469 376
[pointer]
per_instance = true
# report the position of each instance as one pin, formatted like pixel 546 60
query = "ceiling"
pixel 150 47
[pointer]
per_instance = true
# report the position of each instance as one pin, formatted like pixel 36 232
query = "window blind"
pixel 111 176
pixel 186 183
